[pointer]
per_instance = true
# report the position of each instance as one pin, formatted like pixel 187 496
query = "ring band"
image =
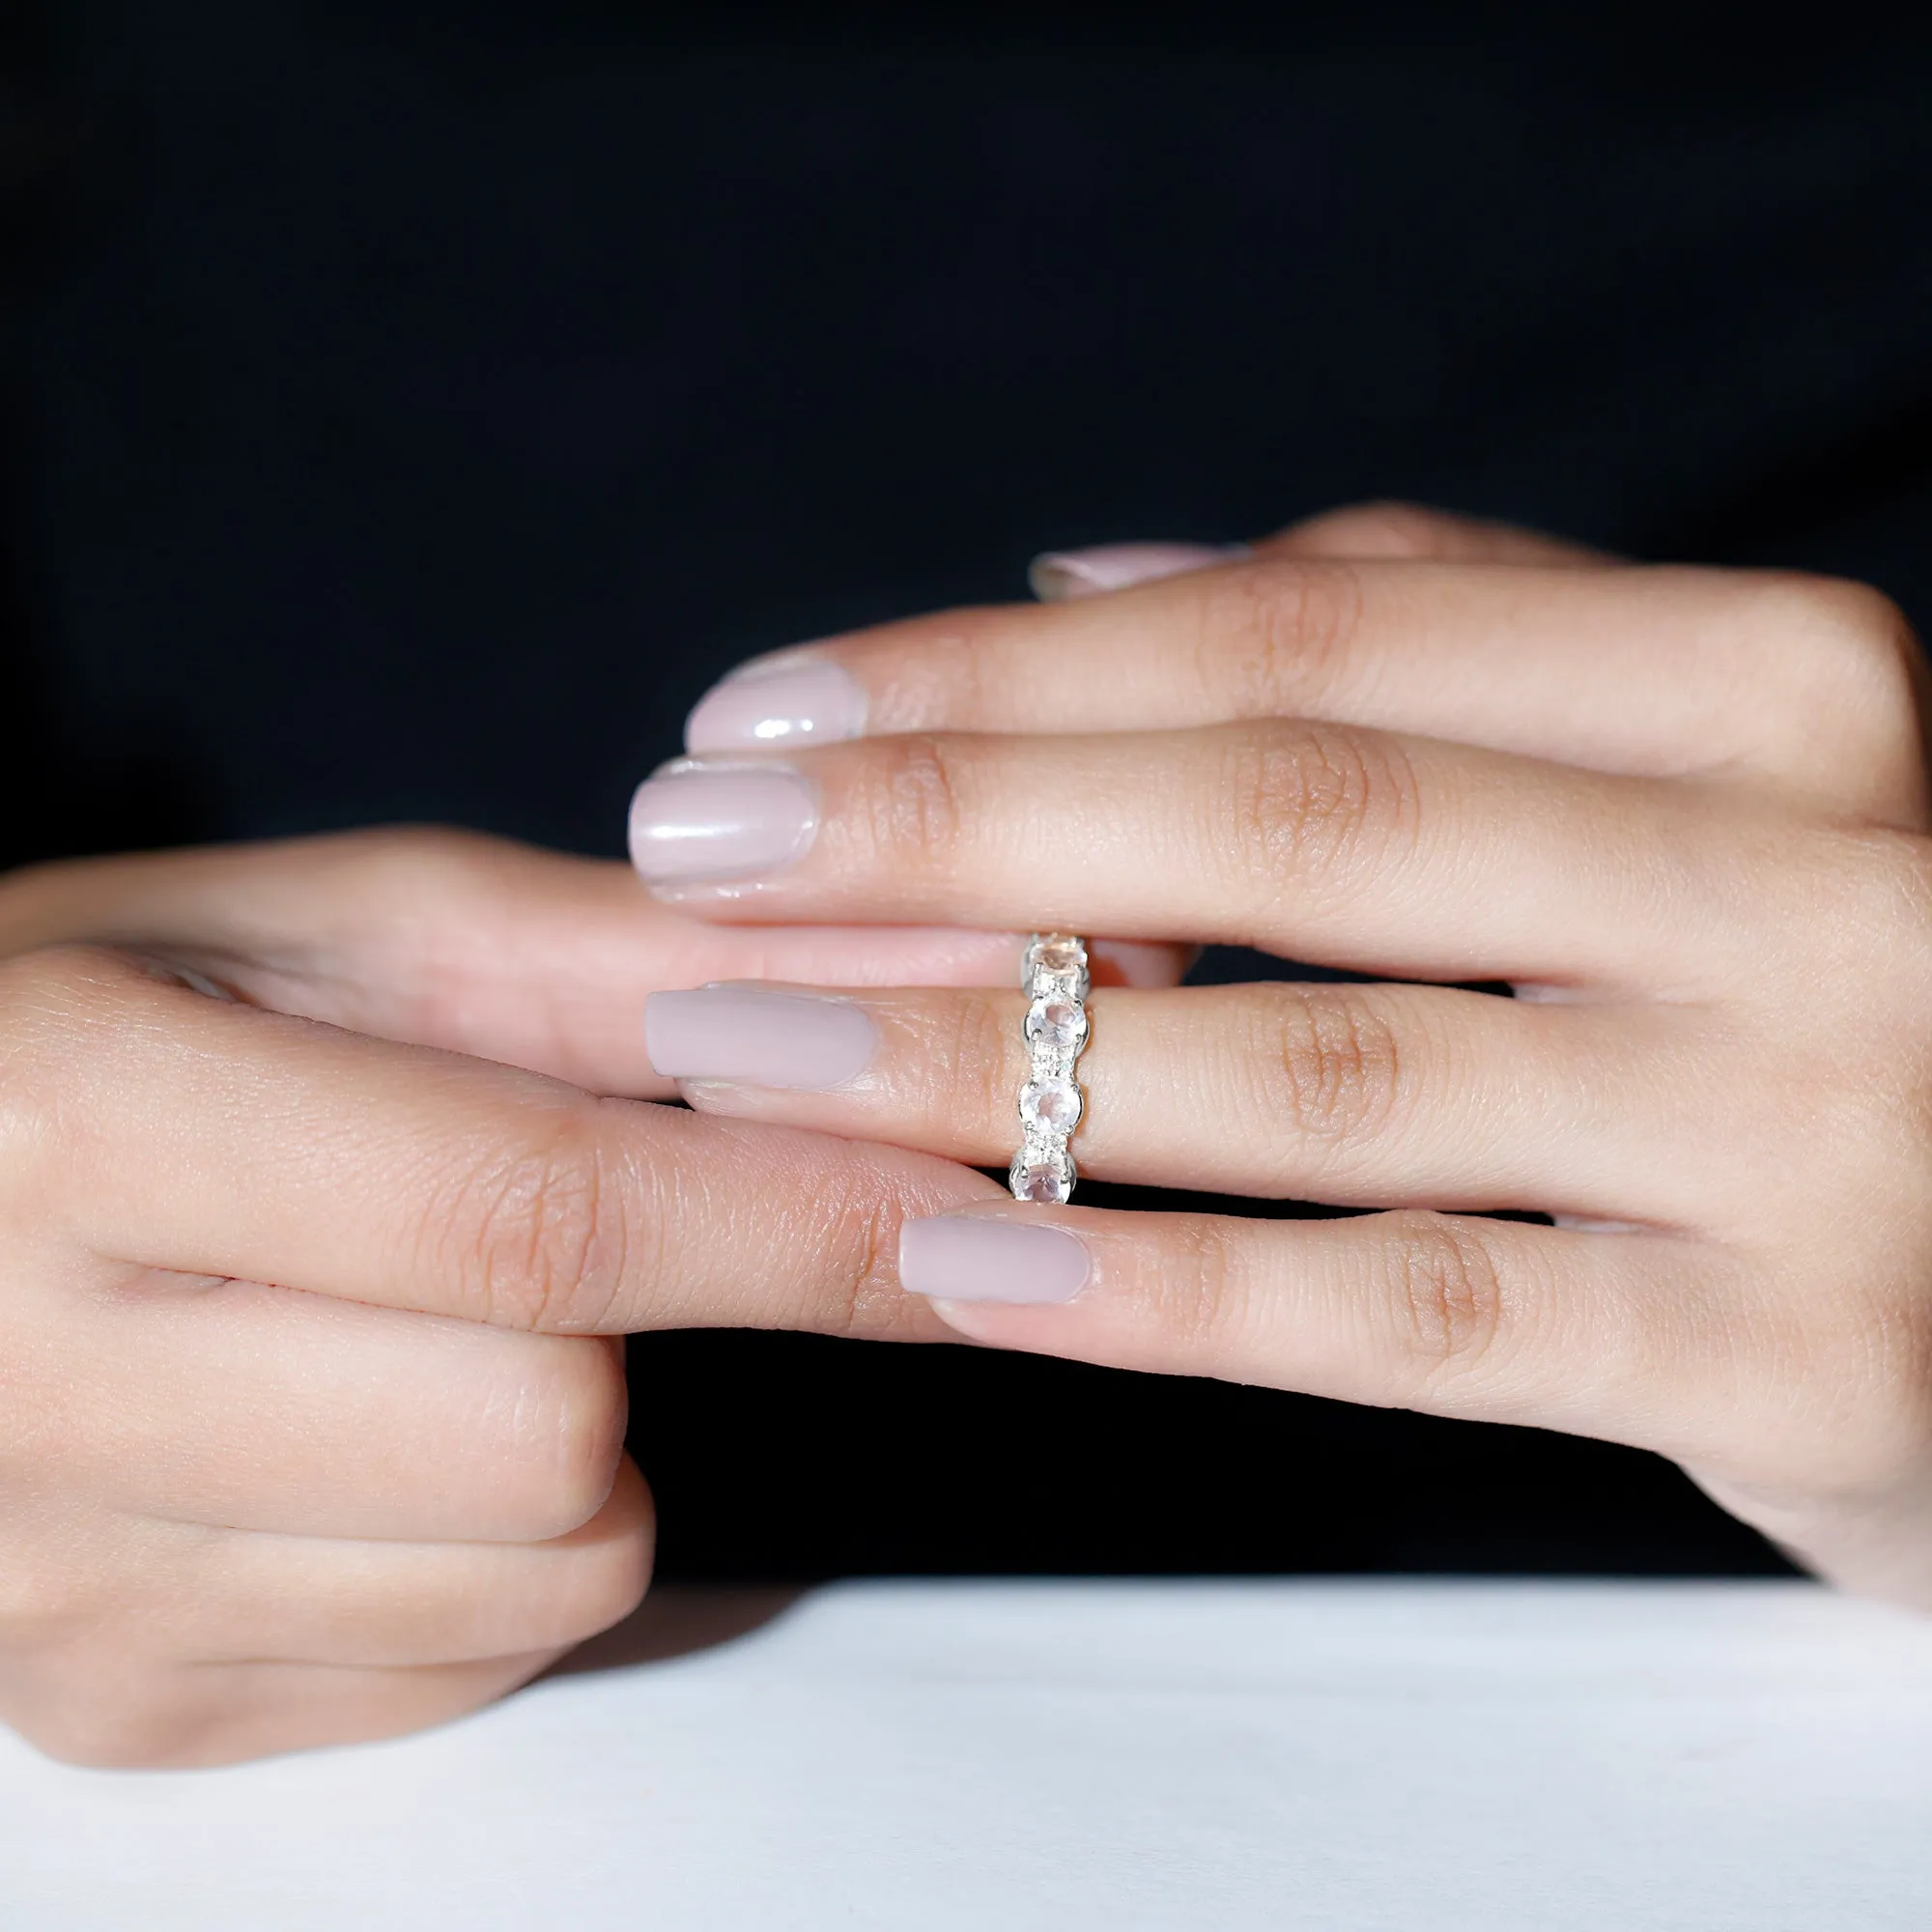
pixel 1054 980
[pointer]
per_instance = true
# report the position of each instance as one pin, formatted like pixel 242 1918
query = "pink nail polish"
pixel 693 823
pixel 789 700
pixel 758 1037
pixel 979 1258
pixel 1062 577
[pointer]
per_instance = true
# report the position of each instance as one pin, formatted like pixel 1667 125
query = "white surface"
pixel 1215 1756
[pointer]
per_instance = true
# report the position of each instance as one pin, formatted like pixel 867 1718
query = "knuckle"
pixel 1842 620
pixel 602 1590
pixel 1451 1301
pixel 1850 669
pixel 60 1010
pixel 537 1233
pixel 44 1607
pixel 88 1714
pixel 1204 1290
pixel 908 807
pixel 1852 896
pixel 974 1061
pixel 416 871
pixel 1383 528
pixel 570 1439
pixel 1312 805
pixel 1277 635
pixel 49 995
pixel 1864 1364
pixel 862 1297
pixel 1333 1066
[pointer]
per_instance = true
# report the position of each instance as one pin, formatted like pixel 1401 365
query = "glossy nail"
pixel 758 1038
pixel 977 1258
pixel 781 702
pixel 1061 576
pixel 697 824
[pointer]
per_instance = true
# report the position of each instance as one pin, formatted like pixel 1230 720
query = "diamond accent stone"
pixel 1055 963
pixel 1048 1181
pixel 1050 1102
pixel 1056 1023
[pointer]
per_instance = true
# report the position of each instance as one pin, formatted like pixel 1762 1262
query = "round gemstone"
pixel 1043 1179
pixel 1053 1104
pixel 1057 1022
pixel 1056 965
pixel 1059 955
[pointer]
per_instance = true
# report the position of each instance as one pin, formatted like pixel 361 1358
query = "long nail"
pixel 779 702
pixel 696 824
pixel 757 1037
pixel 975 1257
pixel 1061 576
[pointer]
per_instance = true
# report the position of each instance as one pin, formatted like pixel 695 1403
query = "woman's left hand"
pixel 1683 812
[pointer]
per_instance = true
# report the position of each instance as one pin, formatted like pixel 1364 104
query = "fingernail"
pixel 1061 576
pixel 694 824
pixel 787 700
pixel 758 1037
pixel 973 1257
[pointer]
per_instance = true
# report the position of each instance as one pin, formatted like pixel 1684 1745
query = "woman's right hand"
pixel 311 1406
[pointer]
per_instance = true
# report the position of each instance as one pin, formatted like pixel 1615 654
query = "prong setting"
pixel 1055 981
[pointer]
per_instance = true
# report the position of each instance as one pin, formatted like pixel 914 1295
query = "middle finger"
pixel 1396 856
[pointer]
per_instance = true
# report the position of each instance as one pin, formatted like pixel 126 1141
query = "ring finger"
pixel 1358 1095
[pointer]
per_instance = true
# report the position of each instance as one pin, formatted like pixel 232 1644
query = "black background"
pixel 411 409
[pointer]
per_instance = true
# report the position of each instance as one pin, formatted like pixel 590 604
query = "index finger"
pixel 1654 672
pixel 180 1132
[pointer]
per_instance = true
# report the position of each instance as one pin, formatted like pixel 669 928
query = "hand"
pixel 1682 812
pixel 240 1517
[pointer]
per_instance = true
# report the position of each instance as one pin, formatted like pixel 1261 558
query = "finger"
pixel 1359 1095
pixel 126 1713
pixel 1633 1337
pixel 259 1408
pixel 1802 684
pixel 1394 856
pixel 214 1139
pixel 475 944
pixel 392 1605
pixel 1413 532
pixel 1363 531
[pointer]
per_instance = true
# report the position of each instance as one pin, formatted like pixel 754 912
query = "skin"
pixel 328 1170
pixel 1683 812
pixel 328 1181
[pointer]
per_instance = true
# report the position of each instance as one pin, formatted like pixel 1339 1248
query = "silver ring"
pixel 1054 980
